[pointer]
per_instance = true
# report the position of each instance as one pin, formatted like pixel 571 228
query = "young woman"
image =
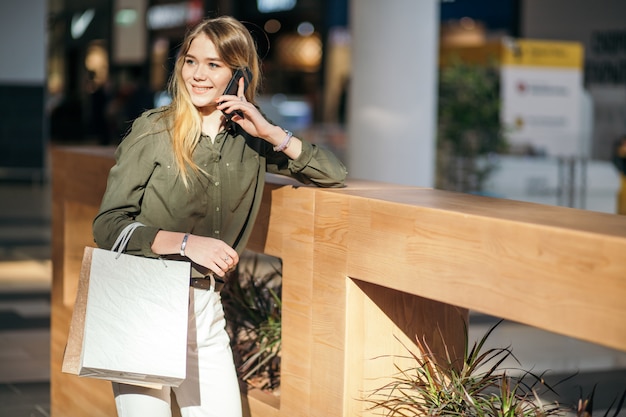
pixel 194 177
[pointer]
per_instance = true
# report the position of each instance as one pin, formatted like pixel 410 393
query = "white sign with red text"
pixel 541 92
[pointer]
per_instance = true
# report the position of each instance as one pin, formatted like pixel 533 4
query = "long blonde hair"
pixel 236 48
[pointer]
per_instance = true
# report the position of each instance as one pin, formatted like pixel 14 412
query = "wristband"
pixel 183 245
pixel 285 142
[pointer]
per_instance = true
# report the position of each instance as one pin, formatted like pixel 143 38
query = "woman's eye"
pixel 189 61
pixel 213 65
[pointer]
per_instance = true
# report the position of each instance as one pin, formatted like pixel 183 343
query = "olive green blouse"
pixel 144 184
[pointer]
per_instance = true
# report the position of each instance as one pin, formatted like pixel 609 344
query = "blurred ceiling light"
pixel 97 61
pixel 272 26
pixel 165 16
pixel 306 29
pixel 269 6
pixel 80 22
pixel 463 32
pixel 126 17
pixel 302 53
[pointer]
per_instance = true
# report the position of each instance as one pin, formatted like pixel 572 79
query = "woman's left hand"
pixel 252 121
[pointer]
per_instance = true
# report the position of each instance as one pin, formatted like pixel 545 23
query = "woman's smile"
pixel 200 90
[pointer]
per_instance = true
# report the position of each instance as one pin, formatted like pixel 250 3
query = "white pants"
pixel 211 388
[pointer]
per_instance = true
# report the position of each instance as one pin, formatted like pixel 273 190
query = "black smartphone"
pixel 233 86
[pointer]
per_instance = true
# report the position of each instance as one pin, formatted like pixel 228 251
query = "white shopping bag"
pixel 130 319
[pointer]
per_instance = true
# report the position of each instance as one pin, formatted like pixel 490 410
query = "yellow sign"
pixel 533 53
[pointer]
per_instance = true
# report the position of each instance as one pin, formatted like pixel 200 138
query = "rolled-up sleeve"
pixel 315 165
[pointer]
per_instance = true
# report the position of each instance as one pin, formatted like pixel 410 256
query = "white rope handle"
pixel 122 240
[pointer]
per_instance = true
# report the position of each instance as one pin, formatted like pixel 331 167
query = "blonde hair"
pixel 236 48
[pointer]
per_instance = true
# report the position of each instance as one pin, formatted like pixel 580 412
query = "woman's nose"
pixel 200 73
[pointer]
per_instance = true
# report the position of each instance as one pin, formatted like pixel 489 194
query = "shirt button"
pixel 217 232
pixel 217 209
pixel 217 183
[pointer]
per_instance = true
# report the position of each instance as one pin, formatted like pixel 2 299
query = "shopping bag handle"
pixel 122 240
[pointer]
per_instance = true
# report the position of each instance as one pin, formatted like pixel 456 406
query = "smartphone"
pixel 233 86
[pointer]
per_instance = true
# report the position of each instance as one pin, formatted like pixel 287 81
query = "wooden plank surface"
pixel 559 269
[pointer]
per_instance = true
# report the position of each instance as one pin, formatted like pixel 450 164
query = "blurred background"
pixel 523 99
pixel 518 99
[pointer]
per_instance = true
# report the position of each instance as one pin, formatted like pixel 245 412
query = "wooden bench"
pixel 367 268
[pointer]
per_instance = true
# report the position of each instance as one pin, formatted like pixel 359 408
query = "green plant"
pixel 585 407
pixel 252 305
pixel 469 126
pixel 473 386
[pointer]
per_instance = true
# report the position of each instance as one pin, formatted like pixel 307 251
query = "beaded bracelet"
pixel 183 245
pixel 285 142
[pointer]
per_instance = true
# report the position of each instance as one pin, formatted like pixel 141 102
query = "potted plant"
pixel 252 306
pixel 469 130
pixel 474 385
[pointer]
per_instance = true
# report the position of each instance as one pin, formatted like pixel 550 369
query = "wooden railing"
pixel 368 268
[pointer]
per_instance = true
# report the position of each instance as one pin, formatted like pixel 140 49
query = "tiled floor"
pixel 31 399
pixel 25 278
pixel 570 366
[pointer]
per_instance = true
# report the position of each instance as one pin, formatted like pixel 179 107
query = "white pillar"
pixel 393 91
pixel 24 39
